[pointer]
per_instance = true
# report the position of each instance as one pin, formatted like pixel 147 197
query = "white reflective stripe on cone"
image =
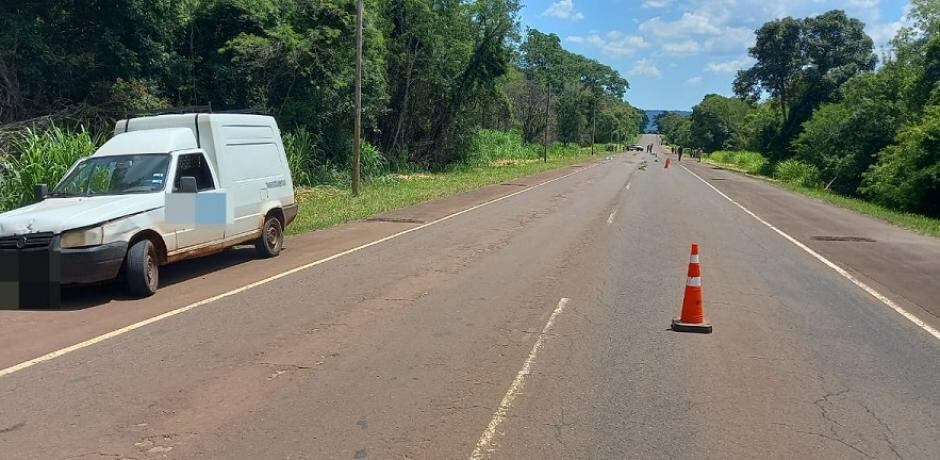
pixel 694 281
pixel 693 259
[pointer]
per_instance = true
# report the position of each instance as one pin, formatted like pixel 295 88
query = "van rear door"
pixel 250 169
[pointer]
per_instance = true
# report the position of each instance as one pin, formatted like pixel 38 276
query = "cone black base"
pixel 701 328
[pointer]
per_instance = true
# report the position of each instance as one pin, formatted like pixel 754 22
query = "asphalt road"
pixel 534 326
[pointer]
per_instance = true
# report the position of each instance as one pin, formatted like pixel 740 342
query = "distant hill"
pixel 652 114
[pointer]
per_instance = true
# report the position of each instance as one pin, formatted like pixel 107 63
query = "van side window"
pixel 194 165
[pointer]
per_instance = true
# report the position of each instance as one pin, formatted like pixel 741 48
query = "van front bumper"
pixel 92 264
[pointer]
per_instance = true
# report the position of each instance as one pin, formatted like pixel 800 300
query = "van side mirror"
pixel 40 191
pixel 188 184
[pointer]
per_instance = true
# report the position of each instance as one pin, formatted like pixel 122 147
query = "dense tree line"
pixel 815 96
pixel 435 71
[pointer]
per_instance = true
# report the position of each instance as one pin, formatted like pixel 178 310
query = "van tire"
pixel 272 238
pixel 142 269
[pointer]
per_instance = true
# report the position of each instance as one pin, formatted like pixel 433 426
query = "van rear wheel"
pixel 272 238
pixel 141 269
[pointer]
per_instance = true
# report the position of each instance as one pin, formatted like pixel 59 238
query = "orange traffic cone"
pixel 667 163
pixel 692 318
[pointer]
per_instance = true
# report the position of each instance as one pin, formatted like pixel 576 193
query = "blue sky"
pixel 673 52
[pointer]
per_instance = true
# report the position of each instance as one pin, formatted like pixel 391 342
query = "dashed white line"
pixel 485 447
pixel 628 186
pixel 870 290
pixel 110 335
pixel 610 219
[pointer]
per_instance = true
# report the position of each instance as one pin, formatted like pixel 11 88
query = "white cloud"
pixel 686 48
pixel 656 3
pixel 730 66
pixel 691 23
pixel 613 43
pixel 694 81
pixel 645 68
pixel 563 9
pixel 882 34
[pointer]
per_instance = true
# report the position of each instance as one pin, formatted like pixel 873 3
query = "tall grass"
pixel 40 157
pixel 750 162
pixel 798 173
pixel 489 146
pixel 310 166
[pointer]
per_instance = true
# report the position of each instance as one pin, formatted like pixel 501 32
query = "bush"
pixel 371 162
pixel 798 173
pixel 40 157
pixel 751 162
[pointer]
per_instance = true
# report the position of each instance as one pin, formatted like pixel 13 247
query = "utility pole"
pixel 357 130
pixel 548 120
pixel 593 124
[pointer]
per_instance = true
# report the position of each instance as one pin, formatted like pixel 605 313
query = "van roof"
pixel 149 141
pixel 188 120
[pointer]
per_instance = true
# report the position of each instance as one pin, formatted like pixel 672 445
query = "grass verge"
pixel 326 206
pixel 916 222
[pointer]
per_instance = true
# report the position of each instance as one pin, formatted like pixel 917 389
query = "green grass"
pixel 749 162
pixel 915 222
pixel 326 206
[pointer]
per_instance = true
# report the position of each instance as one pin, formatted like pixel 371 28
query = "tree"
pixel 779 54
pixel 907 175
pixel 718 123
pixel 599 80
pixel 801 63
pixel 842 139
pixel 541 60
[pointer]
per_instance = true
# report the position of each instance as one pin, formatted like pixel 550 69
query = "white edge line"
pixel 110 335
pixel 870 290
pixel 628 185
pixel 484 445
pixel 610 220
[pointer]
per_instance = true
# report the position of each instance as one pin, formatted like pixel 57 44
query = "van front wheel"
pixel 272 238
pixel 141 269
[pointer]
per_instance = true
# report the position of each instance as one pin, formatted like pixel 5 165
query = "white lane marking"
pixel 610 219
pixel 110 335
pixel 870 290
pixel 628 186
pixel 484 447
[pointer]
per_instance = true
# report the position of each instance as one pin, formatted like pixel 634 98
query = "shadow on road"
pixel 81 297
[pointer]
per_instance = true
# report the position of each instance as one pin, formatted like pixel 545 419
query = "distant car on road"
pixel 636 148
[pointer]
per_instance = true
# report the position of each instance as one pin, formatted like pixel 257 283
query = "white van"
pixel 163 189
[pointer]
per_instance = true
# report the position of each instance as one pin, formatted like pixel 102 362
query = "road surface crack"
pixel 819 403
pixel 889 436
pixel 825 436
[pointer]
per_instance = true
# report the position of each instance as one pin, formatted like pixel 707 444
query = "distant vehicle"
pixel 636 148
pixel 164 188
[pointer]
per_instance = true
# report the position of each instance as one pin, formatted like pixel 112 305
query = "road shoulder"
pixel 896 262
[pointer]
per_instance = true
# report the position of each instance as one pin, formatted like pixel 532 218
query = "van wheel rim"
pixel 151 272
pixel 272 237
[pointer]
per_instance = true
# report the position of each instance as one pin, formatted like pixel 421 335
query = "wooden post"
pixel 357 130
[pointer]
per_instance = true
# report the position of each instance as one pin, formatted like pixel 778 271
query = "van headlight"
pixel 82 238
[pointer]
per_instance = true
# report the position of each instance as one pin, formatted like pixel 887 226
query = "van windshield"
pixel 115 175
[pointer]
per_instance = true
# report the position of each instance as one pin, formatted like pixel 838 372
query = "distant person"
pixel 680 153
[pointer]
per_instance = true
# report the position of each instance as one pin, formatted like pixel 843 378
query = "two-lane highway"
pixel 532 326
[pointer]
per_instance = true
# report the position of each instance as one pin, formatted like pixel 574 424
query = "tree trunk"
pixel 403 110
